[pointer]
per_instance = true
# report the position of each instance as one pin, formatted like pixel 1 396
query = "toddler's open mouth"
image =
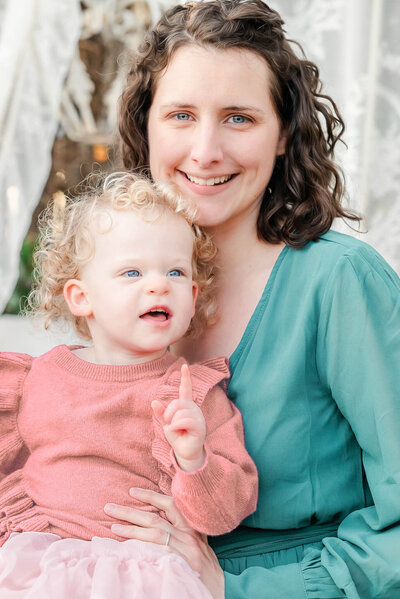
pixel 156 315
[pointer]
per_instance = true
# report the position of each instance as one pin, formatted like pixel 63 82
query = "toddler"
pixel 81 424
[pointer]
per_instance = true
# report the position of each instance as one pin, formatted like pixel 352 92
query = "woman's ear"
pixel 77 298
pixel 281 147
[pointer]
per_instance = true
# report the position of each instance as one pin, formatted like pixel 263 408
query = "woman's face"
pixel 213 131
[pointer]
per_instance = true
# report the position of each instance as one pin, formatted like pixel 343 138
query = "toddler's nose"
pixel 157 285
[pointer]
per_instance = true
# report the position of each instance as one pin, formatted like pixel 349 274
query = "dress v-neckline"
pixel 258 311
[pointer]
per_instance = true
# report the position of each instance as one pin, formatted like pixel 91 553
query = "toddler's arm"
pixel 184 425
pixel 222 490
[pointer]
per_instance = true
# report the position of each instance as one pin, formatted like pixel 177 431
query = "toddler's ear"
pixel 195 293
pixel 76 297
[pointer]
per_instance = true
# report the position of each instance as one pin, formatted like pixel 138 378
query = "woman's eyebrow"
pixel 244 109
pixel 177 105
pixel 233 108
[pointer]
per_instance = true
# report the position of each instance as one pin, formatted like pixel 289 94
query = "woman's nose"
pixel 206 145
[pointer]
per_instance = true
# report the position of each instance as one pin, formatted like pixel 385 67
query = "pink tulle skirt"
pixel 36 565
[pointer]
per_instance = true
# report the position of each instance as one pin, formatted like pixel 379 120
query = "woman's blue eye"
pixel 182 116
pixel 175 273
pixel 238 119
pixel 132 273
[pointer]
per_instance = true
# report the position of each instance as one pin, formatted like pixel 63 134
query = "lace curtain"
pixel 356 45
pixel 37 41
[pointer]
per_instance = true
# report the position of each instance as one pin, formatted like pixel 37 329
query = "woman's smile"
pixel 204 186
pixel 216 180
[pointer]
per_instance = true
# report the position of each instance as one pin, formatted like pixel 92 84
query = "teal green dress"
pixel 317 379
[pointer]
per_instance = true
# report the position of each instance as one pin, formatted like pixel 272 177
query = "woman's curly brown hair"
pixel 67 243
pixel 306 189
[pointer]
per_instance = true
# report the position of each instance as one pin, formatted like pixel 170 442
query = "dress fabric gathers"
pixel 316 376
pixel 75 436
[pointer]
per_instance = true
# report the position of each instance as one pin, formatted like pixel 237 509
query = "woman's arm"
pixel 358 357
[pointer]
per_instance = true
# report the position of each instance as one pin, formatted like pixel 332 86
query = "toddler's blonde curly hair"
pixel 66 243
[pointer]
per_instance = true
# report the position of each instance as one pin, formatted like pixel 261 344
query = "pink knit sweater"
pixel 76 435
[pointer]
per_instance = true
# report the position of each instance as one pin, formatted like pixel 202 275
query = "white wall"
pixel 18 334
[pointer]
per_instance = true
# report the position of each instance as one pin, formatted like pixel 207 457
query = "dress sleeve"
pixel 358 357
pixel 13 370
pixel 216 497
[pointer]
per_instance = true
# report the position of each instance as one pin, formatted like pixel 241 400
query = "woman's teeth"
pixel 212 181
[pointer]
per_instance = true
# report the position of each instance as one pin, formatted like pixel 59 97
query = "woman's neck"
pixel 240 247
pixel 244 265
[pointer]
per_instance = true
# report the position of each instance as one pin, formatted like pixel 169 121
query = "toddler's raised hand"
pixel 184 425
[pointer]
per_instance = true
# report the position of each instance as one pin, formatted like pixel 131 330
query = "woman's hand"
pixel 176 533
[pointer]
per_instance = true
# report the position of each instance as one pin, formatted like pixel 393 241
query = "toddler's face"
pixel 139 286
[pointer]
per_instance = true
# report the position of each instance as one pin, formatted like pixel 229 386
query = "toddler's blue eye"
pixel 132 273
pixel 175 273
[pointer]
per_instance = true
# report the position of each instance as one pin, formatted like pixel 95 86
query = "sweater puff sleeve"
pixel 13 451
pixel 13 370
pixel 215 498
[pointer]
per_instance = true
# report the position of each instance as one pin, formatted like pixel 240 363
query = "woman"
pixel 219 104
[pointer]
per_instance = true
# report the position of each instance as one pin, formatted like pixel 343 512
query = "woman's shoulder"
pixel 335 259
pixel 337 244
pixel 344 243
pixel 351 268
pixel 334 249
pixel 362 257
